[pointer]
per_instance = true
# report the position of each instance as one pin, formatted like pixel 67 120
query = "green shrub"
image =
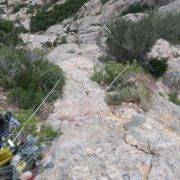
pixel 168 27
pixel 9 39
pixel 137 8
pixel 9 34
pixel 25 99
pixel 44 18
pixel 173 96
pixel 6 26
pixel 129 40
pixel 21 29
pixel 139 95
pixel 111 70
pixel 28 77
pixel 47 133
pixel 157 67
pixel 129 87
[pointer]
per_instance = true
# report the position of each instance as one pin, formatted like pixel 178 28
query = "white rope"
pixel 116 78
pixel 36 111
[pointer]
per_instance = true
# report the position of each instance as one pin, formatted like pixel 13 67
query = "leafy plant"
pixel 45 18
pixel 6 26
pixel 139 95
pixel 111 70
pixel 47 133
pixel 157 67
pixel 129 40
pixel 129 87
pixel 28 77
pixel 9 34
pixel 21 29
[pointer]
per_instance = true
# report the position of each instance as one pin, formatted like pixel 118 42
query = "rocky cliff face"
pixel 99 142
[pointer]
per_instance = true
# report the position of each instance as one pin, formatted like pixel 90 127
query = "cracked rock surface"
pixel 97 144
pixel 125 143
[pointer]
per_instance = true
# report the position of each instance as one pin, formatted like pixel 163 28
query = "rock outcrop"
pixel 98 142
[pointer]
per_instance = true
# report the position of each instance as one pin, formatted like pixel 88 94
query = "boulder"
pixel 161 49
pixel 137 120
pixel 56 30
pixel 91 8
pixel 89 38
pixel 174 6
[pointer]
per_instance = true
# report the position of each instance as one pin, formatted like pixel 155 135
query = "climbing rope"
pixel 19 133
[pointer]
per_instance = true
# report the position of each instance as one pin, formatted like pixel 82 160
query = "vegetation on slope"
pixel 28 77
pixel 45 18
pixel 124 89
pixel 129 40
pixel 9 34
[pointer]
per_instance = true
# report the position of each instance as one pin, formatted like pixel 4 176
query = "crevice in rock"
pixel 150 152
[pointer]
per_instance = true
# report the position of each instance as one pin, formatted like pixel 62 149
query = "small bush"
pixel 111 70
pixel 157 67
pixel 173 96
pixel 6 26
pixel 129 40
pixel 28 77
pixel 25 99
pixel 44 19
pixel 9 39
pixel 47 133
pixel 9 34
pixel 21 29
pixel 137 8
pixel 168 27
pixel 130 87
pixel 139 95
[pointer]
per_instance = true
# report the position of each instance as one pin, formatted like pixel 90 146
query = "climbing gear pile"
pixel 20 159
